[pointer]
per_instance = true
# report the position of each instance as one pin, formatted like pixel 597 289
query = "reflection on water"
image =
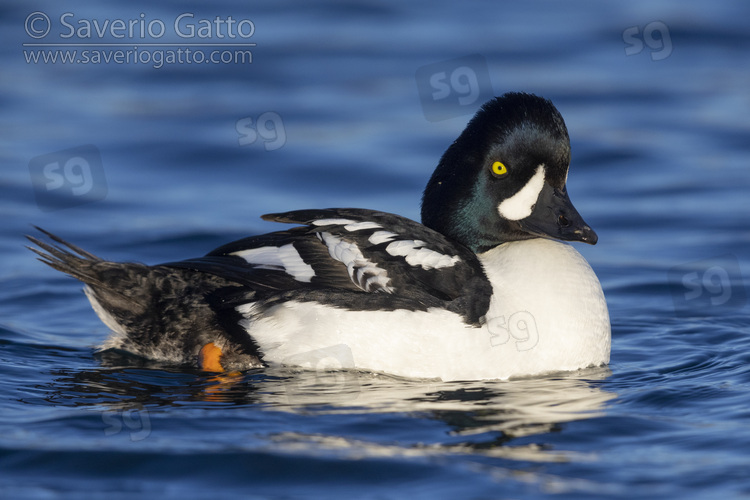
pixel 481 417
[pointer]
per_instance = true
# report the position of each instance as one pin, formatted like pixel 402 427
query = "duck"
pixel 487 286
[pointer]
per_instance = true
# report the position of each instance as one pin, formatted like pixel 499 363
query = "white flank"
pixel 519 206
pixel 284 258
pixel 415 255
pixel 548 314
pixel 379 237
pixel 357 265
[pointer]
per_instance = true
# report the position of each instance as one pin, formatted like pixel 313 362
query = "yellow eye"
pixel 499 169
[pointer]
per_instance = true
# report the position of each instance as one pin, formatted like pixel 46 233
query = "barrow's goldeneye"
pixel 479 290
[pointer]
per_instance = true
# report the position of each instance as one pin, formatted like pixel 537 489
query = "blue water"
pixel 655 96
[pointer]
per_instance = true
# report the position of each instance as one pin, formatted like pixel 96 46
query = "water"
pixel 655 97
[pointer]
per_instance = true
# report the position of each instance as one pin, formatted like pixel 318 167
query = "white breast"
pixel 548 311
pixel 547 314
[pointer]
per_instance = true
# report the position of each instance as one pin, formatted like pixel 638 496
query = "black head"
pixel 504 178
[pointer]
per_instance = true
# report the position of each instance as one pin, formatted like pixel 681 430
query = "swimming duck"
pixel 484 288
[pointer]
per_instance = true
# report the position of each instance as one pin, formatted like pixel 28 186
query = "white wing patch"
pixel 359 226
pixel 416 255
pixel 362 271
pixel 519 206
pixel 379 237
pixel 332 222
pixel 284 258
pixel 348 224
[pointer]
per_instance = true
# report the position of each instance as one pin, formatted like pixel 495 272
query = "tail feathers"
pixel 101 276
pixel 162 313
pixel 77 266
pixel 123 295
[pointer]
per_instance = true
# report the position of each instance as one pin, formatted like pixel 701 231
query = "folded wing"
pixel 352 258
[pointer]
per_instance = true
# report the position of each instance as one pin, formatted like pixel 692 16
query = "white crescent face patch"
pixel 519 205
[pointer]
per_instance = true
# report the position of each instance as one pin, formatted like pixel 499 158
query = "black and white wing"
pixel 354 258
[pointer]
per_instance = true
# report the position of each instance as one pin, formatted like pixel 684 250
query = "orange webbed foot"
pixel 209 358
